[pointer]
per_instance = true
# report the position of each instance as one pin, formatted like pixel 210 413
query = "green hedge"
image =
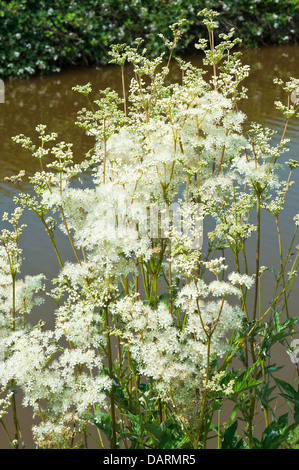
pixel 45 36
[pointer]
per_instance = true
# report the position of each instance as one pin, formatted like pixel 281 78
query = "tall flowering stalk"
pixel 152 312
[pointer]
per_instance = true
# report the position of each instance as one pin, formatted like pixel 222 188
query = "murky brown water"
pixel 50 100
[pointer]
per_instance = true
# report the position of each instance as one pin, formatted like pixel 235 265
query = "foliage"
pixel 151 315
pixel 41 37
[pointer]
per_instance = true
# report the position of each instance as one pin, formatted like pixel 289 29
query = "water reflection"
pixel 51 101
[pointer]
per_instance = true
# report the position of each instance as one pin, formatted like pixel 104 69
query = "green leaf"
pixel 243 383
pixel 291 394
pixel 167 435
pixel 233 415
pixel 230 437
pixel 275 434
pixel 274 272
pixel 276 321
pixel 271 339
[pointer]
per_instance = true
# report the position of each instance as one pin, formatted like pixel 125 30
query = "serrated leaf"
pixel 292 395
pixel 246 385
pixel 276 321
pixel 242 382
pixel 274 272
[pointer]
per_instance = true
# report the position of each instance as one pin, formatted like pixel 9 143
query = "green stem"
pixel 12 382
pixel 6 432
pixel 204 402
pixel 69 235
pixel 252 402
pixel 137 398
pixel 256 296
pixel 258 242
pixel 144 281
pixel 52 241
pixel 15 417
pixel 136 281
pixel 170 285
pixel 155 291
pixel 13 310
pixel 110 365
pixel 281 265
pixel 124 88
pixel 160 412
pixel 265 409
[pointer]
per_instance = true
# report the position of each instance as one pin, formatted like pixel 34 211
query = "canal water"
pixel 50 100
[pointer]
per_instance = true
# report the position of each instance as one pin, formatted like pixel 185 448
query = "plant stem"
pixel 137 399
pixel 13 310
pixel 204 402
pixel 252 401
pixel 170 283
pixel 136 281
pixel 265 409
pixel 12 382
pixel 258 242
pixel 69 235
pixel 15 417
pixel 52 241
pixel 155 291
pixel 281 265
pixel 110 365
pixel 124 88
pixel 6 432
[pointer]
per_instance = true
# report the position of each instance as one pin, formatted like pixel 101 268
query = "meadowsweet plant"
pixel 160 322
pixel 75 33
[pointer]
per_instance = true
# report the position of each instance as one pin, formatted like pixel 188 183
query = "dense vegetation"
pixel 39 36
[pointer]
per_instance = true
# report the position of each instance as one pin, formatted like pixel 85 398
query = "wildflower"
pixel 173 155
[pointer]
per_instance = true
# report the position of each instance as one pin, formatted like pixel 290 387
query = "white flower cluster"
pixel 176 356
